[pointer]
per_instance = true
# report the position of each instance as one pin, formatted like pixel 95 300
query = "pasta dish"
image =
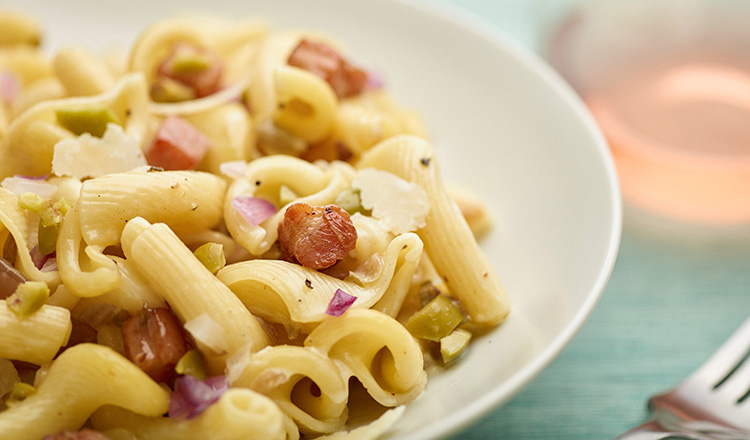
pixel 228 232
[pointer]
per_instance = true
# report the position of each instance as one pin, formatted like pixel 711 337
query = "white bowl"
pixel 505 126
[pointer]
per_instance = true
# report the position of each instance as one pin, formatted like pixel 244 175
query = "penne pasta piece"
pixel 187 201
pixel 82 379
pixel 447 238
pixel 36 338
pixel 19 28
pixel 377 350
pixel 239 414
pixel 192 292
pixel 81 72
pixel 306 385
pixel 298 297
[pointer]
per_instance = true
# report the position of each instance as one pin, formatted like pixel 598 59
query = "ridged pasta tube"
pixel 306 385
pixel 297 296
pixel 264 177
pixel 447 237
pixel 191 290
pixel 29 144
pixel 82 379
pixel 36 338
pixel 239 414
pixel 81 72
pixel 377 350
pixel 187 201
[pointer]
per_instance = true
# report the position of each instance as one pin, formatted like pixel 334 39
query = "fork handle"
pixel 652 430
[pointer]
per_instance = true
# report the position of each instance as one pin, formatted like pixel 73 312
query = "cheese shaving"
pixel 402 206
pixel 90 156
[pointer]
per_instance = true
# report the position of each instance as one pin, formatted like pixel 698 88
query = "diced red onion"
pixel 192 396
pixel 50 265
pixel 234 168
pixel 36 185
pixel 10 87
pixel 10 278
pixel 253 209
pixel 375 81
pixel 38 259
pixel 340 303
pixel 21 176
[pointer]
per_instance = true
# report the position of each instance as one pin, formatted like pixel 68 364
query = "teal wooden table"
pixel 673 297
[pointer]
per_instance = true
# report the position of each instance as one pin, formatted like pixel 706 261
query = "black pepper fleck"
pixel 425 161
pixel 308 284
pixel 257 183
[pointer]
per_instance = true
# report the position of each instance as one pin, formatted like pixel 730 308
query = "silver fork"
pixel 713 403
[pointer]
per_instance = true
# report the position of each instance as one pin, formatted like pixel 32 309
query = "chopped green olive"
pixel 62 206
pixel 92 119
pixel 350 201
pixel 169 90
pixel 212 256
pixel 48 238
pixel 191 363
pixel 51 213
pixel 29 297
pixel 31 201
pixel 454 344
pixel 110 335
pixel 187 60
pixel 436 320
pixel 19 392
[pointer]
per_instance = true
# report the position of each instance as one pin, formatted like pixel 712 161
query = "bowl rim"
pixel 481 28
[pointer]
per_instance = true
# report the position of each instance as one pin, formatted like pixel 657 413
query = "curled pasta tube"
pixel 370 117
pixel 306 104
pixel 187 201
pixel 230 131
pixel 191 290
pixel 447 237
pixel 81 73
pixel 103 275
pixel 306 385
pixel 29 144
pixel 13 219
pixel 36 338
pixel 239 414
pixel 234 42
pixel 82 379
pixel 264 178
pixel 377 350
pixel 297 296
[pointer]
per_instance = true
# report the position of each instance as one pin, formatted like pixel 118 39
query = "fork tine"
pixel 736 386
pixel 726 358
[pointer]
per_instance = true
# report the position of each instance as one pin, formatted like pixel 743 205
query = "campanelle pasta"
pixel 237 235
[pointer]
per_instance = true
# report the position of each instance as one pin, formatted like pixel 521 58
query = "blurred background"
pixel 668 82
